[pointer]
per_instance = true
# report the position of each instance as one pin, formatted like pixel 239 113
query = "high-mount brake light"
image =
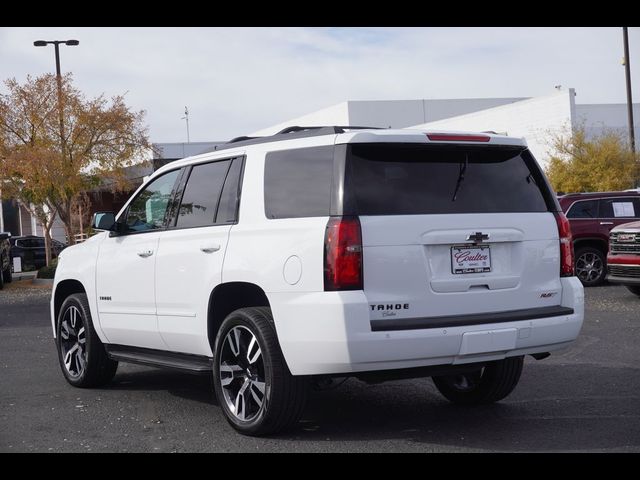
pixel 452 137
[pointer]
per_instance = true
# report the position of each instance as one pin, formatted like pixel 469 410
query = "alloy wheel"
pixel 73 342
pixel 242 373
pixel 589 267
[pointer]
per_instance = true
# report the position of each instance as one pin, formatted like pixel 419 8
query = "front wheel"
pixel 253 384
pixel 488 384
pixel 634 289
pixel 590 266
pixel 82 356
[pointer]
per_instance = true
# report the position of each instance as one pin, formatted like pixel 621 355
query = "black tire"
pixel 284 396
pixel 6 274
pixel 634 289
pixel 590 266
pixel 487 385
pixel 91 367
pixel 1 279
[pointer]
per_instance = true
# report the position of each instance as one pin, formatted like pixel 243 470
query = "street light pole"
pixel 627 68
pixel 56 44
pixel 186 117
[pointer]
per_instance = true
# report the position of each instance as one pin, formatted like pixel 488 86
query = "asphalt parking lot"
pixel 586 398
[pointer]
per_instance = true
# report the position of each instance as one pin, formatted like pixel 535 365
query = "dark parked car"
pixel 592 216
pixel 31 250
pixel 5 259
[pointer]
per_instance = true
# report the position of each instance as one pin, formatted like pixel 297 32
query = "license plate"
pixel 470 259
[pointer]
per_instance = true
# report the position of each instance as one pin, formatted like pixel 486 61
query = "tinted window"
pixel 622 207
pixel 200 199
pixel 228 208
pixel 392 179
pixel 584 209
pixel 297 183
pixel 147 210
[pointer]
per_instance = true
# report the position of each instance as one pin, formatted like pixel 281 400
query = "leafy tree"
pixel 53 166
pixel 591 164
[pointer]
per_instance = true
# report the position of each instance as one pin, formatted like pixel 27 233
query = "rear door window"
pixel 201 195
pixel 396 179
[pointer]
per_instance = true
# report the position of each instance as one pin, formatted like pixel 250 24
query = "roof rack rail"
pixel 241 139
pixel 288 133
pixel 335 128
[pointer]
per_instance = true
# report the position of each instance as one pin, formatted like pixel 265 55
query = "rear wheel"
pixel 82 356
pixel 590 266
pixel 254 387
pixel 488 384
pixel 634 289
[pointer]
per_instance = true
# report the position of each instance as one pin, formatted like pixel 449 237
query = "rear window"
pixel 297 183
pixel 397 179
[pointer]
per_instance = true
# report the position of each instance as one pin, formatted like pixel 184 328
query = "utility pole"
pixel 627 68
pixel 186 117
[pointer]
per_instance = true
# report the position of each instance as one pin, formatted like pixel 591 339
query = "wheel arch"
pixel 63 290
pixel 226 298
pixel 596 243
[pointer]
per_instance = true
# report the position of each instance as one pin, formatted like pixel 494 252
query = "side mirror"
pixel 103 221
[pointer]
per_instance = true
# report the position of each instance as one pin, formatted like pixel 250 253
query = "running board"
pixel 195 364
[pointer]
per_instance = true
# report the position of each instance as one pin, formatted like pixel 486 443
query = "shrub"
pixel 48 272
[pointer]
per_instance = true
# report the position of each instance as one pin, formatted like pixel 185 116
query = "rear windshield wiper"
pixel 463 169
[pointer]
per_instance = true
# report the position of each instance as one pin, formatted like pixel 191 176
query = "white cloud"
pixel 237 80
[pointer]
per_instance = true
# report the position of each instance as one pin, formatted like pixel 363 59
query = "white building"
pixel 534 118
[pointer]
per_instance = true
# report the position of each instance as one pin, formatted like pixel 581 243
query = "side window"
pixel 297 183
pixel 620 207
pixel 201 195
pixel 147 211
pixel 584 209
pixel 230 198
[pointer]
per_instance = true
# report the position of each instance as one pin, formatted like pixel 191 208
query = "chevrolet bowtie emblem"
pixel 478 237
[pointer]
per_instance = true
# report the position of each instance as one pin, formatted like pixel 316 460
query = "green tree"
pixel 101 138
pixel 591 164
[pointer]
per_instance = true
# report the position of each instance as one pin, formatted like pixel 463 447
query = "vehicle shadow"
pixel 554 408
pixel 198 388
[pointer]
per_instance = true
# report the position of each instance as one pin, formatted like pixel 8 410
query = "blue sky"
pixel 238 80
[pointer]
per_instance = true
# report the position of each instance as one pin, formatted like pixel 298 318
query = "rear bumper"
pixel 331 333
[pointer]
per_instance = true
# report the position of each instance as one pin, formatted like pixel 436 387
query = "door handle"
pixel 209 248
pixel 606 223
pixel 145 253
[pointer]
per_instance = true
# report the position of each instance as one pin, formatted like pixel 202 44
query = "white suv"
pixel 325 252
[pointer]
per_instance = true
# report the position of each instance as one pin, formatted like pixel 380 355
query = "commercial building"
pixel 534 118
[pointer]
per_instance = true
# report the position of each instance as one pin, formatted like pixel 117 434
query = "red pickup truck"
pixel 623 261
pixel 592 216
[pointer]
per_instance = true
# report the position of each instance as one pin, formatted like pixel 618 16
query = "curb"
pixel 42 281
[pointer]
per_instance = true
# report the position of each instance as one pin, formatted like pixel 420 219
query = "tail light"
pixel 343 254
pixel 566 245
